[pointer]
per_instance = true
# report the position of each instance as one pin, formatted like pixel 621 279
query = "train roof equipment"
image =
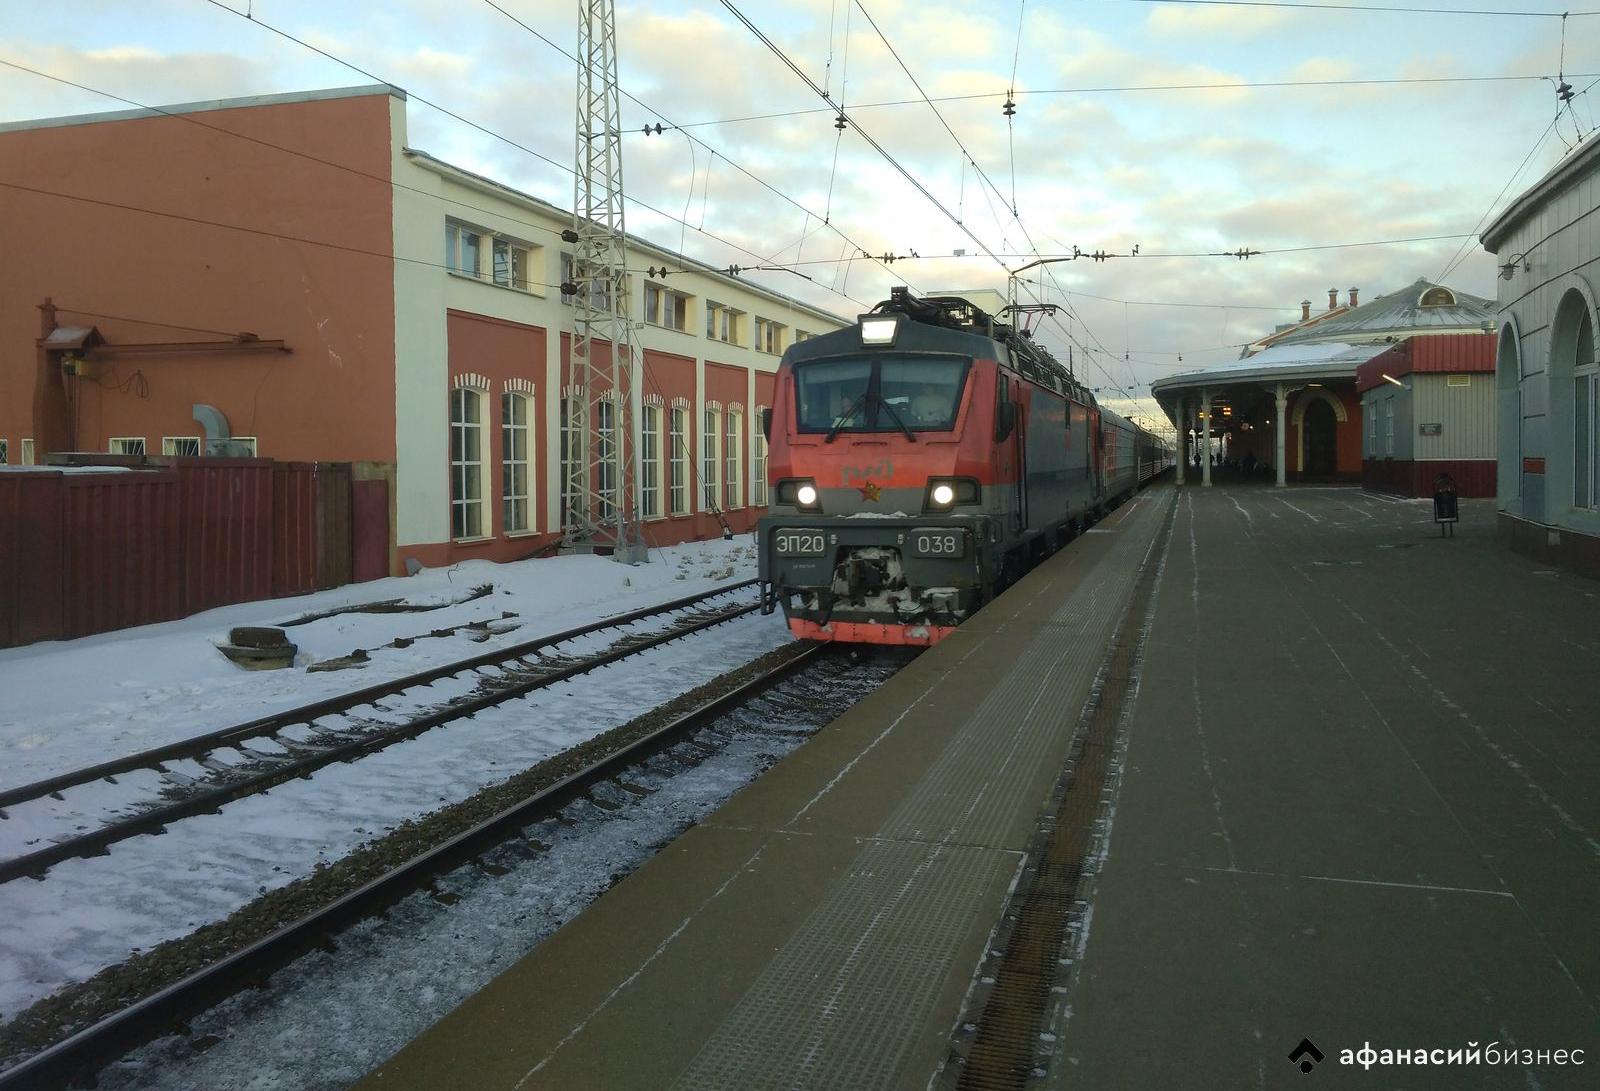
pixel 1034 361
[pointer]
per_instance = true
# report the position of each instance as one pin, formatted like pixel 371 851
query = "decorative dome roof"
pixel 1422 307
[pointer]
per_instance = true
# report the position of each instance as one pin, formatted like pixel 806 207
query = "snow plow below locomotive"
pixel 920 461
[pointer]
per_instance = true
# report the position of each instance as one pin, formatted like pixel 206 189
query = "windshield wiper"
pixel 844 418
pixel 883 403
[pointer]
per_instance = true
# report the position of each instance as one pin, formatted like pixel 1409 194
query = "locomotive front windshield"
pixel 880 394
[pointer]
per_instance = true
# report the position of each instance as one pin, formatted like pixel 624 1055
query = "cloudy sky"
pixel 1180 128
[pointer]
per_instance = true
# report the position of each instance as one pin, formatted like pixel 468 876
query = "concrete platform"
pixel 822 928
pixel 1360 805
pixel 1356 803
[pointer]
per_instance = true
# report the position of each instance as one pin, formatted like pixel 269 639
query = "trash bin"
pixel 1445 509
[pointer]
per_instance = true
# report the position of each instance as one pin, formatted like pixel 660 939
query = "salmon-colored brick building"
pixel 336 295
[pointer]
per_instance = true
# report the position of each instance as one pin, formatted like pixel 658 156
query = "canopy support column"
pixel 1205 432
pixel 1183 436
pixel 1282 403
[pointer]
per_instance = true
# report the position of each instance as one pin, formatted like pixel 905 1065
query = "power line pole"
pixel 601 508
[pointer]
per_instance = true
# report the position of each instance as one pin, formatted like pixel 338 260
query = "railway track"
pixel 79 1057
pixel 294 743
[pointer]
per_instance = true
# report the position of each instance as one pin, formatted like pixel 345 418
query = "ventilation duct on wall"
pixel 219 440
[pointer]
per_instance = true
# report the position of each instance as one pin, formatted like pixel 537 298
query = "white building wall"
pixel 429 193
pixel 1553 249
pixel 422 453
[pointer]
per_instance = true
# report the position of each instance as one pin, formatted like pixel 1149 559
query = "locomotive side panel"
pixel 1051 461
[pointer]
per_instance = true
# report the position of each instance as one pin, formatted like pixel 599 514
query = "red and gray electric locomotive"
pixel 922 459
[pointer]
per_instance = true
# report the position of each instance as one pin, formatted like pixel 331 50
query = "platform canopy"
pixel 1239 404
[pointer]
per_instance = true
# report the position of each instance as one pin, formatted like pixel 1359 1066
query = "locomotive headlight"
pixel 944 493
pixel 799 491
pixel 879 331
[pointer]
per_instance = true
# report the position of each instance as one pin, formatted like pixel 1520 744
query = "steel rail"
pixel 79 1057
pixel 212 799
pixel 266 725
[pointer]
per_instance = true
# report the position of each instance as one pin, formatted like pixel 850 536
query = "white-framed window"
pixel 1585 419
pixel 27 452
pixel 127 445
pixel 463 249
pixel 1388 428
pixel 571 454
pixel 650 461
pixel 722 323
pixel 466 463
pixel 678 459
pixel 1372 429
pixel 509 264
pixel 665 307
pixel 607 456
pixel 514 417
pixel 769 336
pixel 758 463
pixel 733 476
pixel 249 444
pixel 181 446
pixel 710 458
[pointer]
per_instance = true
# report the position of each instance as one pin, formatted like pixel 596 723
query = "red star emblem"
pixel 869 491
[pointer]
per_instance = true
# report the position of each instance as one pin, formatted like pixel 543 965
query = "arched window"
pixel 608 455
pixel 466 463
pixel 710 457
pixel 573 506
pixel 650 460
pixel 1585 418
pixel 1437 297
pixel 758 465
pixel 514 417
pixel 732 451
pixel 678 458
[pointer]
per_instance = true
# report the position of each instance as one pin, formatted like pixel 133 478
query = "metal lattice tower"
pixel 601 511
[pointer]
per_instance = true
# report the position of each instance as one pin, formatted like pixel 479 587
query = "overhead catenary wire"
pixel 1461 250
pixel 1234 85
pixel 1403 9
pixel 485 130
pixel 778 52
pixel 982 175
pixel 667 124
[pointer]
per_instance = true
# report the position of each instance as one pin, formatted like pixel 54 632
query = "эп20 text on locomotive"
pixel 922 459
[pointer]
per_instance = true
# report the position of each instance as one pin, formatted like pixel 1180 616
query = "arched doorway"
pixel 1322 445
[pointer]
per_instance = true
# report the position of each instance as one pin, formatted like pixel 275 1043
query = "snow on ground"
pixel 74 703
pixel 93 913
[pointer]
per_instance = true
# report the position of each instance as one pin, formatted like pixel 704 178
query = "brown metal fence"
pixel 85 552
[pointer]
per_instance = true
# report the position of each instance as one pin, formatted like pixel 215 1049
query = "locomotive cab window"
pixel 880 394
